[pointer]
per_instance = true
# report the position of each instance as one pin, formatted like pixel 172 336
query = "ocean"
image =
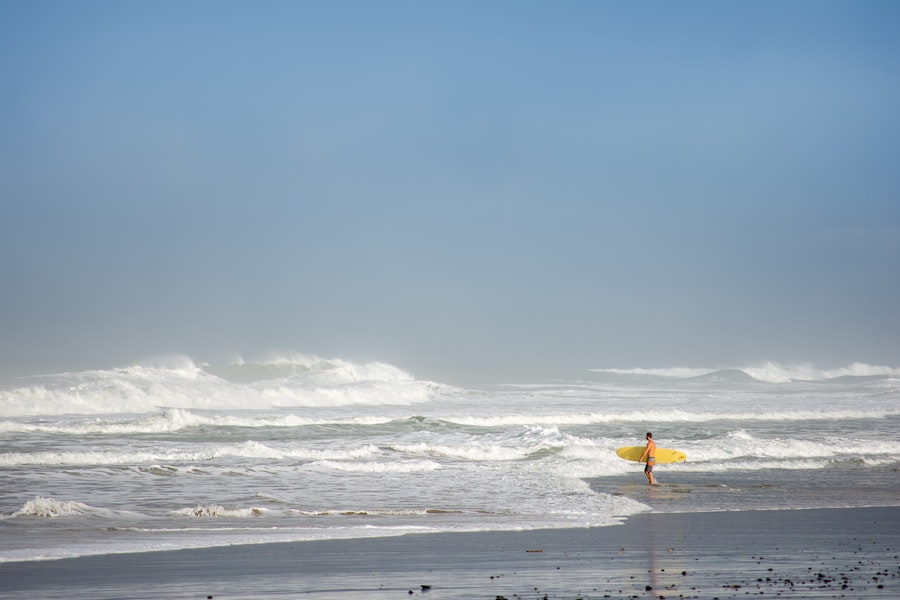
pixel 172 454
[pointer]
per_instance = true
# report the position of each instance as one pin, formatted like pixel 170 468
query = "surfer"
pixel 650 455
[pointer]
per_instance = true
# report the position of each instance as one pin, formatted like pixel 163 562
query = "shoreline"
pixel 806 553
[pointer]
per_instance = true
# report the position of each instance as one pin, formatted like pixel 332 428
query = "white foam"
pixel 407 466
pixel 176 419
pixel 677 372
pixel 181 384
pixel 669 415
pixel 43 507
pixel 472 452
pixel 155 456
pixel 214 510
pixel 740 445
pixel 50 507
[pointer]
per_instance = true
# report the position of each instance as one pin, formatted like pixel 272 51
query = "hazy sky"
pixel 617 184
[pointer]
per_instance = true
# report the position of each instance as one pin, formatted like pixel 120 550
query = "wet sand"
pixel 820 553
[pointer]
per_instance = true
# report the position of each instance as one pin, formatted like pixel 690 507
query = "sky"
pixel 607 184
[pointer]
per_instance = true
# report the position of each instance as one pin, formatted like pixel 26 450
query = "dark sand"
pixel 822 553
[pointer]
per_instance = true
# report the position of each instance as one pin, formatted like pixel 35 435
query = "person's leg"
pixel 649 471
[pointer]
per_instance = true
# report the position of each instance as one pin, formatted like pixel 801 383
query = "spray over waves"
pixel 769 372
pixel 177 382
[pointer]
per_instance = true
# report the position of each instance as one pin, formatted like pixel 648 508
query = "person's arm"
pixel 645 454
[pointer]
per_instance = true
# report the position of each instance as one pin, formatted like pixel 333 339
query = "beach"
pixel 812 553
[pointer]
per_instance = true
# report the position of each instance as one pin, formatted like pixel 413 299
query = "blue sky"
pixel 609 184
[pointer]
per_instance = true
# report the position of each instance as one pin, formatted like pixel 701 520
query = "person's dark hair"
pixel 649 435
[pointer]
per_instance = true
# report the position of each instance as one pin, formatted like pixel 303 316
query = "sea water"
pixel 173 454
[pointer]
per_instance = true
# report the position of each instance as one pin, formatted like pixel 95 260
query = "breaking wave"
pixel 177 382
pixel 42 507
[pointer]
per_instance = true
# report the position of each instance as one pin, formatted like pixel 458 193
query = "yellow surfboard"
pixel 663 455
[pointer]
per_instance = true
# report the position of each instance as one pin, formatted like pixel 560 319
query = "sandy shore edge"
pixel 814 553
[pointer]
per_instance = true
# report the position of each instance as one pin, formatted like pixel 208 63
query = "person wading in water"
pixel 650 455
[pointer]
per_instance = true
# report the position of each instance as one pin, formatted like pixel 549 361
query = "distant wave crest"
pixel 769 372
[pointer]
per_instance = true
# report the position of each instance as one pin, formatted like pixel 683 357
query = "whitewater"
pixel 173 454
